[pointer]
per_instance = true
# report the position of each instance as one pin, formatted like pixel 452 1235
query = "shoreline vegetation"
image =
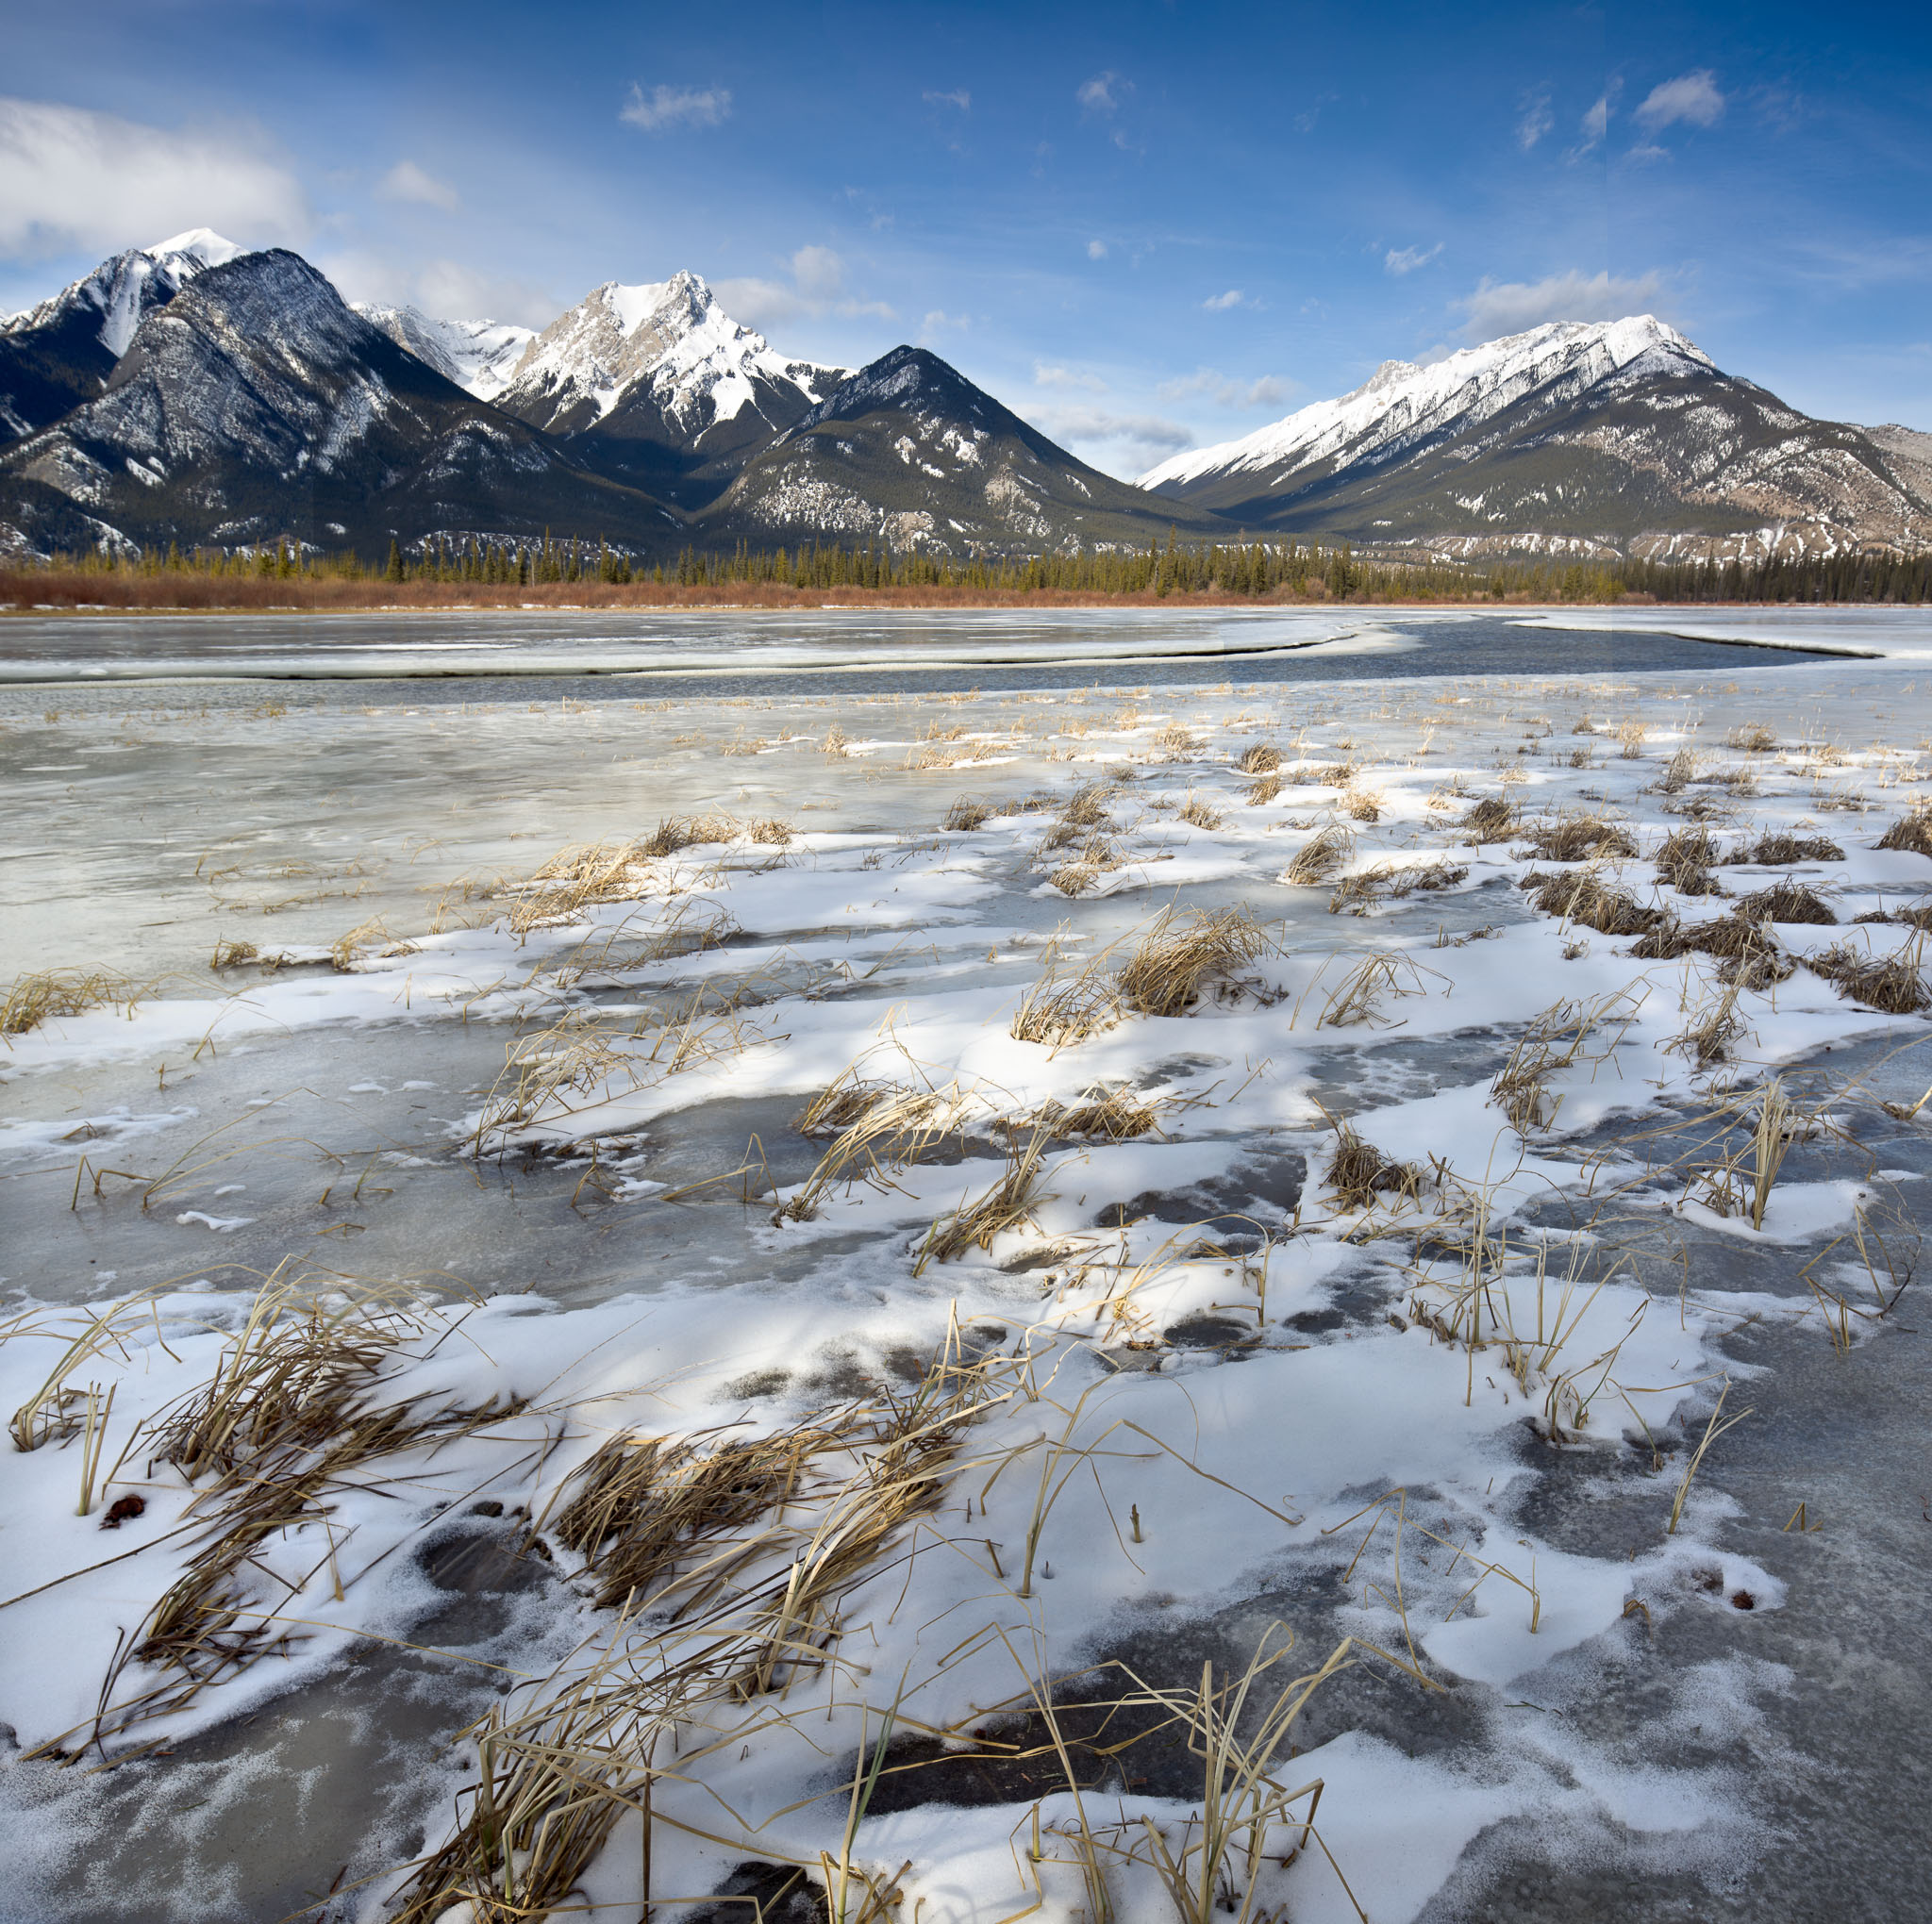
pixel 286 576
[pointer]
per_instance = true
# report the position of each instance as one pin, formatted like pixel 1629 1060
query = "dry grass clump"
pixel 1098 858
pixel 1580 838
pixel 1786 902
pixel 1198 814
pixel 771 832
pixel 1086 808
pixel 1565 1033
pixel 1912 832
pixel 740 1606
pixel 1008 1205
pixel 1678 772
pixel 1056 1013
pixel 841 1102
pixel 1182 952
pixel 1493 819
pixel 1360 805
pixel 1357 998
pixel 1773 850
pixel 1895 984
pixel 229 955
pixel 292 1413
pixel 886 1134
pixel 1685 861
pixel 1319 857
pixel 1335 775
pixel 1587 896
pixel 59 992
pixel 1751 737
pixel 1262 790
pixel 1357 1172
pixel 1112 1116
pixel 1177 740
pixel 1630 735
pixel 1713 1029
pixel 1390 881
pixel 1260 758
pixel 675 833
pixel 967 812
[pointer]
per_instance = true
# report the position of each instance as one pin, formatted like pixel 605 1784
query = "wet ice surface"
pixel 1650 1746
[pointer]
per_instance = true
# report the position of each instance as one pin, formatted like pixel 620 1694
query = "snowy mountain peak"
pixel 200 244
pixel 670 341
pixel 1402 401
pixel 478 355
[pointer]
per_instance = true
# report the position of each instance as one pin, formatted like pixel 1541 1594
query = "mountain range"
pixel 198 393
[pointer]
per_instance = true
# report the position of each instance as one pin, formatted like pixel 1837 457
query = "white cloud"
pixel 1122 444
pixel 817 286
pixel 938 321
pixel 1219 304
pixel 1595 124
pixel 1268 391
pixel 1406 260
pixel 445 289
pixel 1104 92
pixel 1536 121
pixel 405 181
pixel 71 179
pixel 1691 97
pixel 1499 308
pixel 958 97
pixel 1044 377
pixel 665 107
pixel 1096 250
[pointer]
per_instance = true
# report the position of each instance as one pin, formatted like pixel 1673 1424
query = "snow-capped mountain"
pixel 256 403
pixel 60 354
pixel 910 452
pixel 660 385
pixel 1401 402
pixel 478 355
pixel 1615 435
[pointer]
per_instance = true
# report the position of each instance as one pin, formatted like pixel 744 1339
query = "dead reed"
pixel 1589 897
pixel 1320 856
pixel 1911 833
pixel 1182 952
pixel 1390 881
pixel 1357 1172
pixel 59 992
pixel 1786 902
pixel 1260 758
pixel 1493 819
pixel 1895 984
pixel 1580 838
pixel 1057 1012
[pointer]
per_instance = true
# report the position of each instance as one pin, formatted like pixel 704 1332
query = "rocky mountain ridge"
pixel 1599 438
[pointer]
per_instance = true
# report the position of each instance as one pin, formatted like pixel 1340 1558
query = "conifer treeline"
pixel 1287 568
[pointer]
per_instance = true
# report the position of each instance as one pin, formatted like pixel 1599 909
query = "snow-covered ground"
pixel 1375 1284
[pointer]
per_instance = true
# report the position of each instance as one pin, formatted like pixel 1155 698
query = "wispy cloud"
pixel 1499 308
pixel 1220 304
pixel 445 288
pixel 1691 98
pixel 664 108
pixel 1536 121
pixel 1096 250
pixel 1400 260
pixel 815 284
pixel 1122 444
pixel 938 321
pixel 1045 376
pixel 958 97
pixel 72 179
pixel 1268 391
pixel 1104 93
pixel 1595 124
pixel 405 181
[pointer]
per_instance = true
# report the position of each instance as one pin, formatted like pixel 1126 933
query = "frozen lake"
pixel 1303 1075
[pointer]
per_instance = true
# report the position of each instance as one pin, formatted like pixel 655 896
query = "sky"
pixel 1142 226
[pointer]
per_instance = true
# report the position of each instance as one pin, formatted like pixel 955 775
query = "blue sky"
pixel 1142 225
